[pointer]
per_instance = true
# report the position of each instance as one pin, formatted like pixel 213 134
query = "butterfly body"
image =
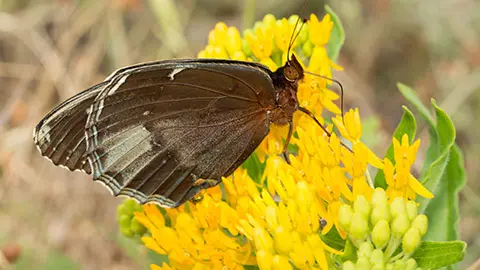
pixel 162 131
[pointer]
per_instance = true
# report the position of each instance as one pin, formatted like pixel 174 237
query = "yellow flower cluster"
pixel 277 222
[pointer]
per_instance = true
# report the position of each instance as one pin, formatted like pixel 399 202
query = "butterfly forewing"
pixel 155 129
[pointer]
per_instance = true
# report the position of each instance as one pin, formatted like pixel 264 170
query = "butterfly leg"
pixel 309 113
pixel 287 141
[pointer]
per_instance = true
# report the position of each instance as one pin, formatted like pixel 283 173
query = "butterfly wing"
pixel 155 130
pixel 60 135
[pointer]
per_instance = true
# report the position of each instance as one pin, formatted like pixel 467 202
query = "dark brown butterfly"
pixel 162 131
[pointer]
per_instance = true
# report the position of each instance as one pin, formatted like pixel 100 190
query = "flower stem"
pixel 249 8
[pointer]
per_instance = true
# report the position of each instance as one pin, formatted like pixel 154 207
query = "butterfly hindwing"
pixel 60 135
pixel 155 130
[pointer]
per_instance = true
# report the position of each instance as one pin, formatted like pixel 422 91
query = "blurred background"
pixel 50 50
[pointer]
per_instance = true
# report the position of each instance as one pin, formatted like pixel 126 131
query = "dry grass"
pixel 50 50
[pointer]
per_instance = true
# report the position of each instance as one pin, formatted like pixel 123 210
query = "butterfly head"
pixel 293 70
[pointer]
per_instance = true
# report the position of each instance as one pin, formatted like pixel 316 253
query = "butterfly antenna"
pixel 294 36
pixel 334 81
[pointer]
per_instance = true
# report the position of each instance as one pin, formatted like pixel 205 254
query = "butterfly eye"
pixel 291 73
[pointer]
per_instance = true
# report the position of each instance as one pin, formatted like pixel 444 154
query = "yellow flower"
pixel 261 42
pixel 401 183
pixel 274 222
pixel 320 31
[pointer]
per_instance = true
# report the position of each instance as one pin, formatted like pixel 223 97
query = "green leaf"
pixel 337 37
pixel 407 125
pixel 349 252
pixel 433 255
pixel 446 139
pixel 254 167
pixel 444 207
pixel 333 239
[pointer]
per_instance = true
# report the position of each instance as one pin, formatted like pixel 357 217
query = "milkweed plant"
pixel 337 205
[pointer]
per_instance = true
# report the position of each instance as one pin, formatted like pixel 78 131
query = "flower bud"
pixel 124 220
pixel 363 264
pixel 381 234
pixel 365 249
pixel 281 263
pixel 399 264
pixel 263 240
pixel 121 210
pixel 411 240
pixel 283 240
pixel 345 216
pixel 348 265
pixel 361 205
pixel 307 48
pixel 411 264
pixel 238 55
pixel 264 259
pixel 269 20
pixel 376 258
pixel 233 40
pixel 399 226
pixel 358 226
pixel 421 223
pixel 380 213
pixel 397 207
pixel 126 231
pixel 379 198
pixel 411 209
pixel 137 228
pixel 131 206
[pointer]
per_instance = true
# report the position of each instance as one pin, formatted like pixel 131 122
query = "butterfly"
pixel 163 131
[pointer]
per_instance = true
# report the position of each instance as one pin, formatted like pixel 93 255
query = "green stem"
pixel 396 257
pixel 249 8
pixel 391 247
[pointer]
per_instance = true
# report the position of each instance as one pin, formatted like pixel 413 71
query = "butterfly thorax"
pixel 285 80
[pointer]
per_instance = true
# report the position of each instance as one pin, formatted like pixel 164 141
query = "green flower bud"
pixel 411 209
pixel 269 20
pixel 121 210
pixel 399 264
pixel 421 223
pixel 397 207
pixel 293 20
pixel 124 220
pixel 376 258
pixel 130 206
pixel 361 205
pixel 245 45
pixel 348 265
pixel 411 264
pixel 389 266
pixel 257 25
pixel 345 216
pixel 126 231
pixel 137 227
pixel 365 249
pixel 363 264
pixel 399 226
pixel 358 226
pixel 303 35
pixel 307 48
pixel 411 240
pixel 381 234
pixel 380 213
pixel 379 198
